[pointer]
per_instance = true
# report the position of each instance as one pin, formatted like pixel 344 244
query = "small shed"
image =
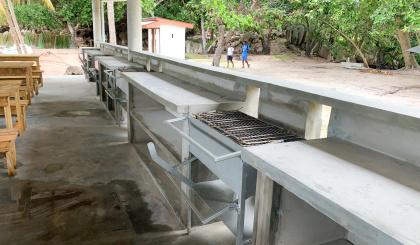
pixel 166 37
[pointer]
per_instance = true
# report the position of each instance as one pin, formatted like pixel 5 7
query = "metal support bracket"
pixel 198 145
pixel 231 206
pixel 165 165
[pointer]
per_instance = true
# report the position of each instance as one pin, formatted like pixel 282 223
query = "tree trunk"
pixel 211 33
pixel 72 30
pixel 203 36
pixel 358 50
pixel 220 45
pixel 111 22
pixel 12 29
pixel 266 42
pixel 255 4
pixel 16 26
pixel 404 41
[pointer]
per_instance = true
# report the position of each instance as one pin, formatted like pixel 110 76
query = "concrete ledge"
pixel 112 62
pixel 176 95
pixel 368 193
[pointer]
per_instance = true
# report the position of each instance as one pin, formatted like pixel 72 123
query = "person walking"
pixel 230 51
pixel 245 51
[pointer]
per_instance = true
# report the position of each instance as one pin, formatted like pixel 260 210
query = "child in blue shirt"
pixel 245 50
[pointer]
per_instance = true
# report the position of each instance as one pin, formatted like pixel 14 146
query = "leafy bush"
pixel 37 17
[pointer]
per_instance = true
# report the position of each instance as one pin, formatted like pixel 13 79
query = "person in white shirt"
pixel 230 56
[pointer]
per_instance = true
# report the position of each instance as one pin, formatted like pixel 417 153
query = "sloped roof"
pixel 156 22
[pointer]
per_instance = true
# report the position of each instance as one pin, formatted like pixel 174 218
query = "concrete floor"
pixel 79 181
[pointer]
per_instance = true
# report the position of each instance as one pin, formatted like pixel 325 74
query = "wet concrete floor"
pixel 79 182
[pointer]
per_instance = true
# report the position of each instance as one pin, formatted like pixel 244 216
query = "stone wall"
pixel 256 40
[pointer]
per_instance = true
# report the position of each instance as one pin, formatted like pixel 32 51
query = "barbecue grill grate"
pixel 246 130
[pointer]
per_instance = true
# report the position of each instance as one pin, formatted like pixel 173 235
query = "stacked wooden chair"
pixel 20 80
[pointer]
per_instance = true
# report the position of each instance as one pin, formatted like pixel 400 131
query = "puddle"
pixel 80 113
pixel 58 213
pixel 52 168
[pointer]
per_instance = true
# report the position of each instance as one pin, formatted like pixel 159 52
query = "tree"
pixel 268 15
pixel 400 18
pixel 341 20
pixel 75 13
pixel 37 17
pixel 9 11
pixel 224 15
pixel 12 29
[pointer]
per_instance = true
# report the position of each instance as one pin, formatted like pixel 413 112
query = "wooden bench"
pixel 36 70
pixel 15 70
pixel 366 192
pixel 8 135
pixel 25 90
pixel 8 147
pixel 11 103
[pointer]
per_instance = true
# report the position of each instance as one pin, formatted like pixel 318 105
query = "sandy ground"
pixel 398 86
pixel 55 61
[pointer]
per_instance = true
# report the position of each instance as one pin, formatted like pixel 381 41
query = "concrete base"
pixel 79 181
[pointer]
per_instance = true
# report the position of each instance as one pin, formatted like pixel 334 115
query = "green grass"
pixel 282 57
pixel 42 40
pixel 191 56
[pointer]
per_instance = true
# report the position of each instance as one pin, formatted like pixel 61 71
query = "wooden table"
pixel 24 89
pixel 21 57
pixel 17 70
pixel 36 69
pixel 6 93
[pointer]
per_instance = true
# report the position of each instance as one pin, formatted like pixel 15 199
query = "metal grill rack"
pixel 246 130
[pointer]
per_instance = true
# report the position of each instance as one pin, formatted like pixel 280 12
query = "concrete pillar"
pixel 134 29
pixel 97 19
pixel 313 121
pixel 263 206
pixel 252 101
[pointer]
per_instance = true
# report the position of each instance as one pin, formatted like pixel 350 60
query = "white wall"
pixel 172 41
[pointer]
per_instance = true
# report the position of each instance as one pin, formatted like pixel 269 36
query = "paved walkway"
pixel 78 179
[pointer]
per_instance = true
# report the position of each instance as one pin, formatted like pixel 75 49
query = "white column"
pixel 134 29
pixel 97 19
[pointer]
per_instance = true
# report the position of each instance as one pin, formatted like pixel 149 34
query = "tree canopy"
pixel 361 29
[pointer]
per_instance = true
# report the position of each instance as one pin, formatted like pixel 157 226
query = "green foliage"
pixel 45 39
pixel 77 12
pixel 342 25
pixel 225 12
pixel 401 14
pixel 148 7
pixel 370 24
pixel 187 11
pixel 37 17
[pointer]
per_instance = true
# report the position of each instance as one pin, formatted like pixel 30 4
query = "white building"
pixel 166 37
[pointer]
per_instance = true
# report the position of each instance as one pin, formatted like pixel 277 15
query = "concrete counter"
pixel 366 192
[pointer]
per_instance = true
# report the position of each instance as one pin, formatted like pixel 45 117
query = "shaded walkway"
pixel 78 180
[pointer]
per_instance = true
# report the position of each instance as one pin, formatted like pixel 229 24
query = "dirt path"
pixel 399 86
pixel 55 61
